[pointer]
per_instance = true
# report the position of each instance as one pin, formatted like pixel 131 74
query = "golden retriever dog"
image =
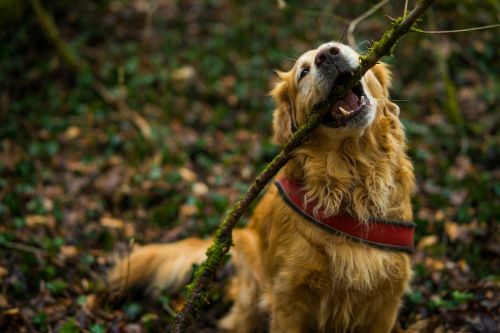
pixel 293 273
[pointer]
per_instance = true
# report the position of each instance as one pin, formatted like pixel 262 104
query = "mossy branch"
pixel 223 236
pixel 52 33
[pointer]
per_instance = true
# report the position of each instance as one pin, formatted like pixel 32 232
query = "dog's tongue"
pixel 349 102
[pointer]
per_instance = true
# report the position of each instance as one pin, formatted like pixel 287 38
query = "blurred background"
pixel 142 120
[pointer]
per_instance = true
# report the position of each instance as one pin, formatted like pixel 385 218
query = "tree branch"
pixel 223 236
pixel 79 65
pixel 52 33
pixel 491 26
pixel 354 23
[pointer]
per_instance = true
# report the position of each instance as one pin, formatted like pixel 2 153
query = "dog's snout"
pixel 326 55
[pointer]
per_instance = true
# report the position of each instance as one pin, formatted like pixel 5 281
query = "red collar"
pixel 394 235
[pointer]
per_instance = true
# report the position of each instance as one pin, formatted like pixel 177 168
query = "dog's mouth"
pixel 344 110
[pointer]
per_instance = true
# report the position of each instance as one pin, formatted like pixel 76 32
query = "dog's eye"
pixel 303 72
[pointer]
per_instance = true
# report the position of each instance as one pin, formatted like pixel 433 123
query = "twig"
pixel 458 30
pixel 26 248
pixel 78 65
pixel 119 104
pixel 450 101
pixel 354 23
pixel 52 33
pixel 169 309
pixel 223 236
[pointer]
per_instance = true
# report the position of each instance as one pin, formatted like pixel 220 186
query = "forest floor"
pixel 81 180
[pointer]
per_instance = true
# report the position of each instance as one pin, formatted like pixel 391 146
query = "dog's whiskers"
pixel 392 100
pixel 289 58
pixel 366 41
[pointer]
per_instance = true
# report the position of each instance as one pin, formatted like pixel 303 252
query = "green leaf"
pixel 40 321
pixel 97 328
pixel 56 287
pixel 133 310
pixel 415 297
pixel 70 326
pixel 81 300
pixel 461 297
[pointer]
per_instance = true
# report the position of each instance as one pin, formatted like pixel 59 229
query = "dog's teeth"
pixel 344 111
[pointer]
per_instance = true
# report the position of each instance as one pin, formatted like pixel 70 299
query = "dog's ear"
pixel 392 107
pixel 283 124
pixel 384 77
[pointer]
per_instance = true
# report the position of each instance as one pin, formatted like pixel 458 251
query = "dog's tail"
pixel 158 266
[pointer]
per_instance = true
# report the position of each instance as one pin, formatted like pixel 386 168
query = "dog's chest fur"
pixel 334 280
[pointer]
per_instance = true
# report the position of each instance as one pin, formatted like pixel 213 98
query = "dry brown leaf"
pixel 40 220
pixel 439 329
pixel 200 189
pixel 11 312
pixel 129 229
pixel 78 166
pixel 188 210
pixel 68 251
pixel 111 223
pixel 133 328
pixel 3 302
pixel 434 264
pixel 419 326
pixel 458 197
pixel 3 272
pixel 187 175
pixel 427 241
pixel 90 303
pixel 439 215
pixel 463 266
pixel 178 304
pixel 72 133
pixel 184 73
pixel 451 230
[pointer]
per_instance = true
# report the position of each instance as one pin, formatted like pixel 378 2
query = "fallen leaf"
pixel 109 222
pixel 451 230
pixel 458 197
pixel 3 302
pixel 11 312
pixel 40 220
pixel 68 251
pixel 3 272
pixel 188 211
pixel 434 264
pixel 427 241
pixel 187 175
pixel 133 328
pixel 90 303
pixel 72 133
pixel 184 73
pixel 200 189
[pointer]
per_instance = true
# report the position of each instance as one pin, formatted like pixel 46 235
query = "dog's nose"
pixel 326 55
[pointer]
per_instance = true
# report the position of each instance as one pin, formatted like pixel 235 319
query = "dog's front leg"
pixel 385 319
pixel 289 314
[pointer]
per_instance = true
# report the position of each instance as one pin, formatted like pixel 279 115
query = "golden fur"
pixel 292 276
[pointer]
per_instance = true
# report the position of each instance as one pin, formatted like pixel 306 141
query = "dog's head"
pixel 310 82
